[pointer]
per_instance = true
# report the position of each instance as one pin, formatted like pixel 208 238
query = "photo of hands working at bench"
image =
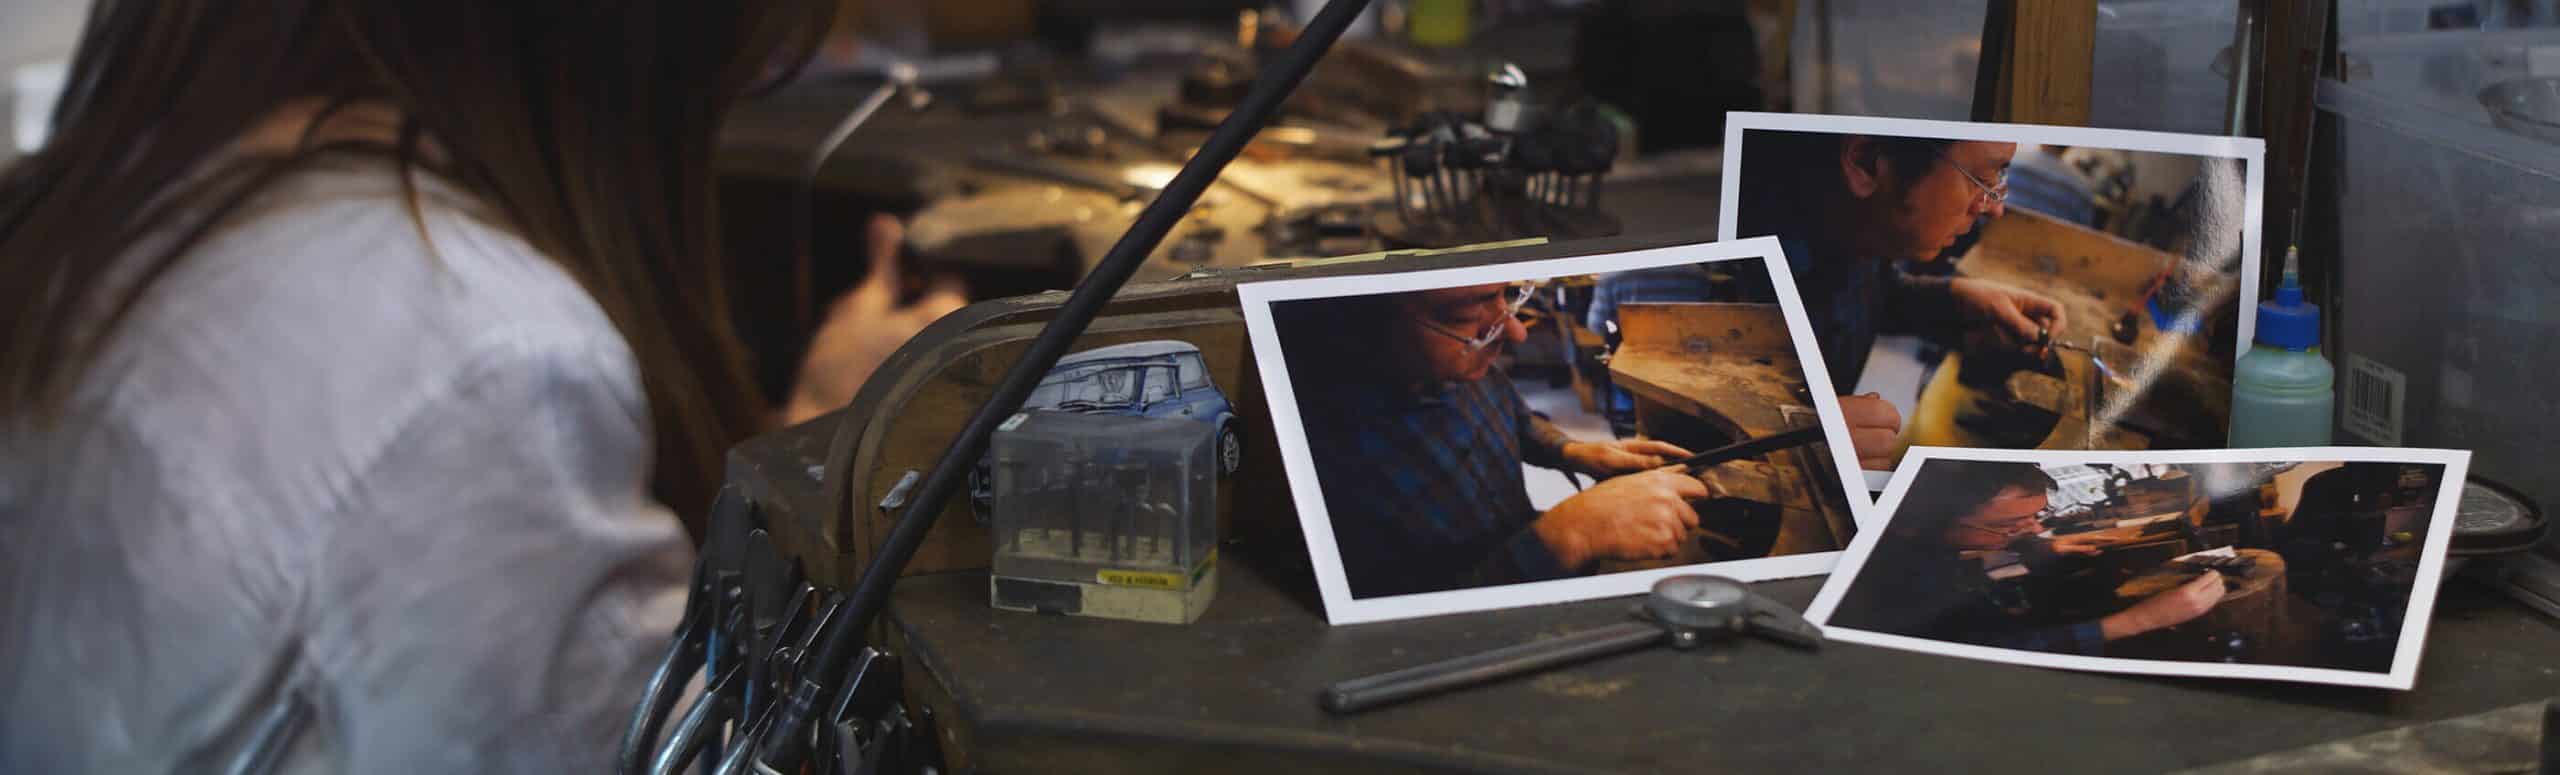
pixel 2308 564
pixel 1463 437
pixel 2008 293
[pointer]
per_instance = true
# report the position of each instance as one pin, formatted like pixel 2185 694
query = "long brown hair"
pixel 586 125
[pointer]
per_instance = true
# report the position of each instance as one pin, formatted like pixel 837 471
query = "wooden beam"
pixel 2054 48
pixel 2037 56
pixel 1776 20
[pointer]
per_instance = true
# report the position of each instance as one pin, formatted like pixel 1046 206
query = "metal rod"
pixel 2307 73
pixel 694 731
pixel 782 746
pixel 1360 694
pixel 1396 171
pixel 1466 183
pixel 1749 447
pixel 1437 197
pixel 2244 58
pixel 276 730
pixel 1482 181
pixel 804 190
pixel 685 654
pixel 1440 181
pixel 1431 201
pixel 1075 516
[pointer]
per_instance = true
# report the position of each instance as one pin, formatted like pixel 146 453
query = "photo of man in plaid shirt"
pixel 1419 438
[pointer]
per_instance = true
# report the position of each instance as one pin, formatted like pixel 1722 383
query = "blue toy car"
pixel 1164 378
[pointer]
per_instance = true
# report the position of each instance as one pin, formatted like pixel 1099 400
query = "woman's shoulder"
pixel 304 333
pixel 346 246
pixel 340 270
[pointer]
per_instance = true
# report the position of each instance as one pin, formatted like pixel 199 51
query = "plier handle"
pixel 714 605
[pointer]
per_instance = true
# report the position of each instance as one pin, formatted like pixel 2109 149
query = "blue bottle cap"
pixel 2287 321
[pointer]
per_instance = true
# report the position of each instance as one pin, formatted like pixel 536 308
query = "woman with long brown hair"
pixel 354 354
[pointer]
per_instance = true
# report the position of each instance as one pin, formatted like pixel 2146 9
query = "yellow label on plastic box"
pixel 1131 578
pixel 1156 579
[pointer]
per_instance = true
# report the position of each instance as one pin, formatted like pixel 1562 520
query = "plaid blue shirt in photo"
pixel 1425 487
pixel 1852 300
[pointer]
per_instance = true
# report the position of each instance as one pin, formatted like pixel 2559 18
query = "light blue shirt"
pixel 408 484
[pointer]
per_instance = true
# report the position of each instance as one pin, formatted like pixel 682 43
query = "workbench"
pixel 1236 691
pixel 1704 375
pixel 1010 234
pixel 969 216
pixel 2257 604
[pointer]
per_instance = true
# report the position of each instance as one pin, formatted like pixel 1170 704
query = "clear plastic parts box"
pixel 1104 515
pixel 2447 308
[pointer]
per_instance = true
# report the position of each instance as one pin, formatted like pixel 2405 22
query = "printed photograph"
pixel 2010 287
pixel 1504 435
pixel 2318 568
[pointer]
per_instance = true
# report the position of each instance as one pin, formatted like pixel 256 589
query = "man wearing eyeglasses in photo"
pixel 1418 439
pixel 1964 559
pixel 1846 208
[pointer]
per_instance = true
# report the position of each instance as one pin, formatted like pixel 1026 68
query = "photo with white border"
pixel 2313 564
pixel 1419 428
pixel 2122 264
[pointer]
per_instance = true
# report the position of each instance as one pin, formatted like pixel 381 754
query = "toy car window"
pixel 1116 385
pixel 1194 375
pixel 1159 385
pixel 1086 390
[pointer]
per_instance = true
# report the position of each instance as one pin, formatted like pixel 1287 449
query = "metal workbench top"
pixel 1235 692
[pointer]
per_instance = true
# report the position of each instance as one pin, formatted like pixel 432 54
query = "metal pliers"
pixel 713 606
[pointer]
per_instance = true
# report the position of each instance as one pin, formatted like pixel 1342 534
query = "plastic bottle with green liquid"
pixel 2283 393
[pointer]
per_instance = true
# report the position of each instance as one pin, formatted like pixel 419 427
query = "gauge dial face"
pixel 2485 510
pixel 1701 593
